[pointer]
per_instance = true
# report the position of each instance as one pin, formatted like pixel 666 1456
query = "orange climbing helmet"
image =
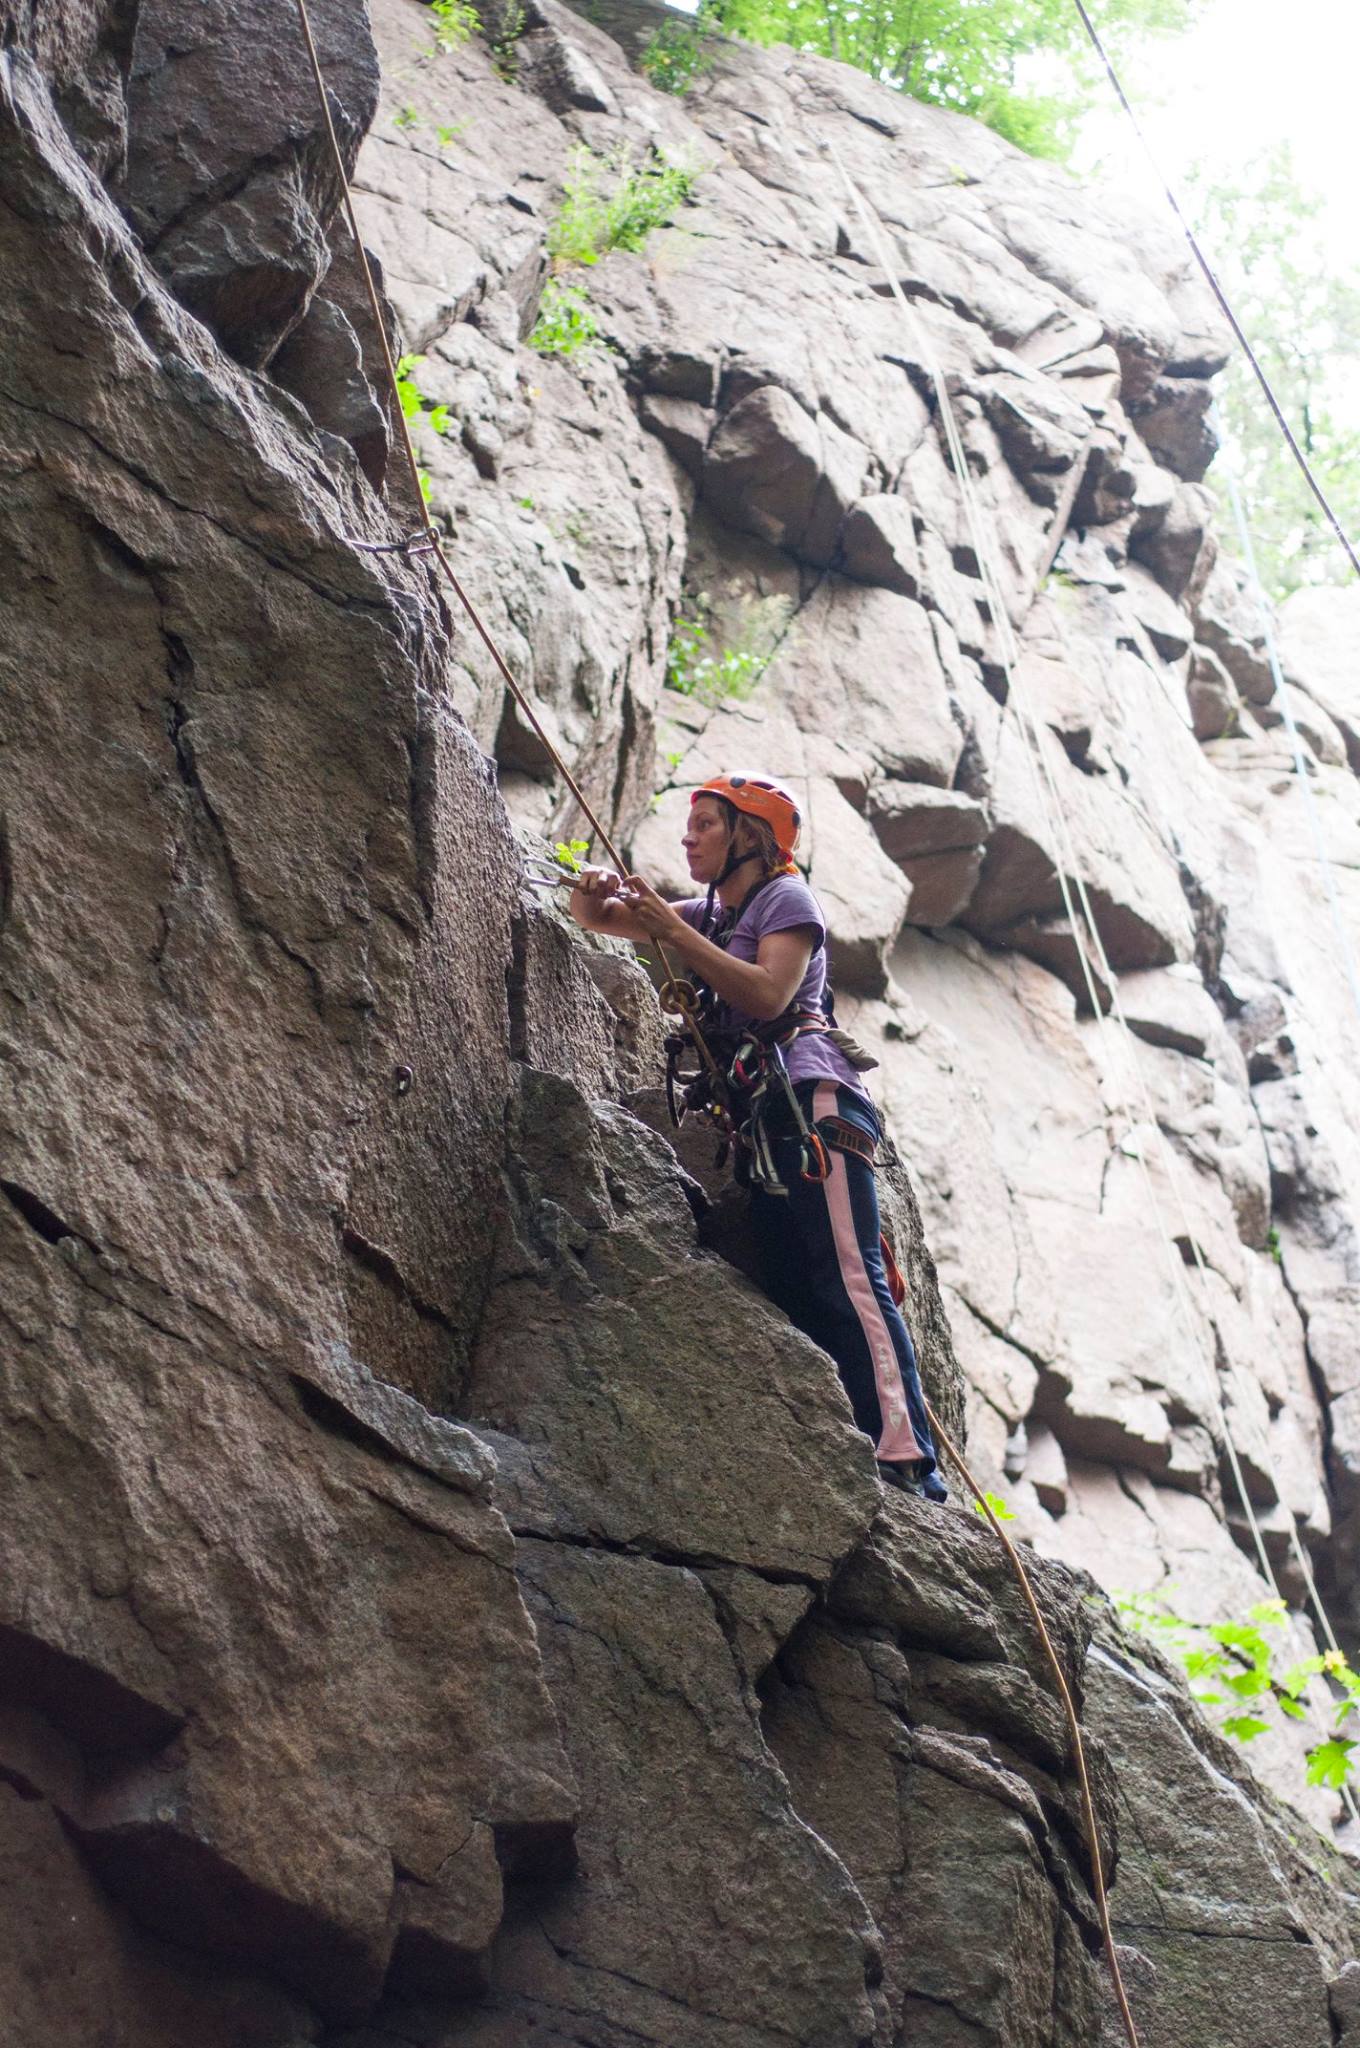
pixel 758 797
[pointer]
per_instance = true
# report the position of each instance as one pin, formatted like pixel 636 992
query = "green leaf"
pixel 1329 1763
pixel 1291 1707
pixel 996 1504
pixel 1244 1727
pixel 1238 1635
pixel 1249 1684
pixel 1298 1675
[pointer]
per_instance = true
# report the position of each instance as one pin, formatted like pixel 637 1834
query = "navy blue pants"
pixel 819 1244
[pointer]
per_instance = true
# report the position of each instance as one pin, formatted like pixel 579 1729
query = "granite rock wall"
pixel 442 1601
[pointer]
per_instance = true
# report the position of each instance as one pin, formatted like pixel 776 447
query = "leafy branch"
pixel 608 203
pixel 1232 1664
pixel 420 410
pixel 694 666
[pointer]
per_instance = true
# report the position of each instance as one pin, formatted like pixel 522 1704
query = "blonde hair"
pixel 771 859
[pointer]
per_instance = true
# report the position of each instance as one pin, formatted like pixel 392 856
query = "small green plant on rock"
pixel 997 1503
pixel 695 669
pixel 566 323
pixel 571 854
pixel 607 203
pixel 1234 1663
pixel 675 56
pixel 406 118
pixel 454 22
pixel 504 44
pixel 419 410
pixel 615 203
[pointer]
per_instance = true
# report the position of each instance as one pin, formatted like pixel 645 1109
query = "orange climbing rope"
pixel 678 992
pixel 1064 1692
pixel 429 541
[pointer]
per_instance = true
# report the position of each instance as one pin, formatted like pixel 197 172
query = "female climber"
pixel 755 947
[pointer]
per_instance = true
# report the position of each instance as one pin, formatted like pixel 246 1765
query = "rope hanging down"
pixel 982 551
pixel 427 540
pixel 1052 808
pixel 1300 1555
pixel 1224 304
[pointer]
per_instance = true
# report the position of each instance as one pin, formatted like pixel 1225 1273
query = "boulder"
pixel 231 188
pixel 601 1278
pixel 658 1728
pixel 878 545
pixel 1318 732
pixel 863 667
pixel 1319 643
pixel 773 470
pixel 1172 1008
pixel 556 67
pixel 1176 423
pixel 1215 707
pixel 864 895
pixel 681 426
pixel 322 364
pixel 1228 621
pixel 1179 547
pixel 1045 1469
pixel 1040 429
pixel 1162 619
pixel 936 837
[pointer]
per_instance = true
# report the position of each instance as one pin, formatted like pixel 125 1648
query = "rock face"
pixel 443 1602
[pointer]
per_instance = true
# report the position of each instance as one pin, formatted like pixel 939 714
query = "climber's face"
pixel 706 841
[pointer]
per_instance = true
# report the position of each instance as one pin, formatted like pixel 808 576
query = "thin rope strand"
pixel 1056 813
pixel 1070 1715
pixel 434 545
pixel 1224 304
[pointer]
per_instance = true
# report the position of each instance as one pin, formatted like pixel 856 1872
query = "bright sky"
pixel 1253 73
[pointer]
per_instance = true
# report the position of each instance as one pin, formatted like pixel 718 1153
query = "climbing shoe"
pixel 912 1479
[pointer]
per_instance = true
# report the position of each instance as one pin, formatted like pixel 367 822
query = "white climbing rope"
pixel 1074 891
pixel 1325 867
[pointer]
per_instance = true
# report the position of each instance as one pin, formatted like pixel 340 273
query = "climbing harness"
pixel 756 1079
pixel 679 996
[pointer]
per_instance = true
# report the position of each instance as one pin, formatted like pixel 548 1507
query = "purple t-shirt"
pixel 778 907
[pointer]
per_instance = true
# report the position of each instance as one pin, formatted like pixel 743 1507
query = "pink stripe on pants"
pixel 897 1445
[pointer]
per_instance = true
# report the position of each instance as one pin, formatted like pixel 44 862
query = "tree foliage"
pixel 969 55
pixel 1266 236
pixel 1232 1666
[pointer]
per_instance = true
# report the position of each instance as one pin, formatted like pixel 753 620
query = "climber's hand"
pixel 599 883
pixel 649 910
